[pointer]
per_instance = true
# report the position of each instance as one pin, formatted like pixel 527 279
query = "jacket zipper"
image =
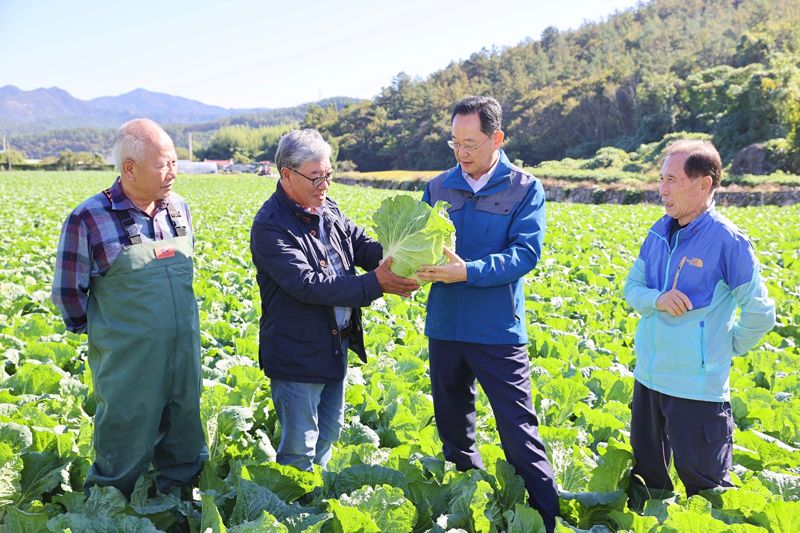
pixel 669 259
pixel 666 281
pixel 702 343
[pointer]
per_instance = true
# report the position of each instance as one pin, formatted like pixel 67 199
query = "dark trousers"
pixel 698 434
pixel 504 374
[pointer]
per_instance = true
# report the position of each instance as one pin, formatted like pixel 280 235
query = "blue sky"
pixel 241 53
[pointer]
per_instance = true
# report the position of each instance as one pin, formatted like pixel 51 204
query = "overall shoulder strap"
pixel 127 222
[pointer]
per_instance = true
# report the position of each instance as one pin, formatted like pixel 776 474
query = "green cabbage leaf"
pixel 413 233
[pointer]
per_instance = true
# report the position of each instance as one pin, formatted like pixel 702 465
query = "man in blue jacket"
pixel 694 270
pixel 476 307
pixel 306 252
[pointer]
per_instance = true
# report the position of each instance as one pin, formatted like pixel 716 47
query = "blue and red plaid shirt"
pixel 91 239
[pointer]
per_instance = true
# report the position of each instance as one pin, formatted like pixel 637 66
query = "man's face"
pixel 301 189
pixel 474 149
pixel 155 174
pixel 684 198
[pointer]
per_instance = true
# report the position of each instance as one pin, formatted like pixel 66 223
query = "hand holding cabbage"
pixel 454 271
pixel 412 233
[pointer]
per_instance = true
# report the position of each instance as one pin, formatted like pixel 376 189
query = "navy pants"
pixel 698 434
pixel 504 374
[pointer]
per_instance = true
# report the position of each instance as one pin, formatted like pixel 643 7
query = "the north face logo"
pixel 695 262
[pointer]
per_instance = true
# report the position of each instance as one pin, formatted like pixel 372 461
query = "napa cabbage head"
pixel 413 233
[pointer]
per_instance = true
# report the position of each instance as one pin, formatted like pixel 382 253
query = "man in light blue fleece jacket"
pixel 694 270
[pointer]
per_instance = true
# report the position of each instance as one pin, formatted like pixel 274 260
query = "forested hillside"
pixel 724 67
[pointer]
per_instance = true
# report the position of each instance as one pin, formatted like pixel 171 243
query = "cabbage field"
pixel 387 473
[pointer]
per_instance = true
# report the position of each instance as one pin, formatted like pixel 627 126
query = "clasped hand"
pixel 674 302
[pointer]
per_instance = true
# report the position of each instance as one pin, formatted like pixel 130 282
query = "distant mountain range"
pixel 53 108
pixel 44 122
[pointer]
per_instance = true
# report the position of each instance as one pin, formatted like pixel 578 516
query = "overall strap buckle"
pixel 131 227
pixel 176 217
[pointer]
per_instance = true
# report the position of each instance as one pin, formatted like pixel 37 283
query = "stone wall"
pixel 611 194
pixel 600 195
pixel 410 185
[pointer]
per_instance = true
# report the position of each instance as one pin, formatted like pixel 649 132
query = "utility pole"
pixel 7 150
pixel 191 155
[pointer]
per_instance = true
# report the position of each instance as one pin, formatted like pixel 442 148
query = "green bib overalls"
pixel 144 353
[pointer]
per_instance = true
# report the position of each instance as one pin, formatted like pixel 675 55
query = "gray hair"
pixel 299 146
pixel 131 138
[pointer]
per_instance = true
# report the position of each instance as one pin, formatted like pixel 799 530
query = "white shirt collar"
pixel 478 184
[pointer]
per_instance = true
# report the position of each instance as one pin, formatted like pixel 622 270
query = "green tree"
pixel 243 143
pixel 662 67
pixel 69 160
pixel 15 157
pixel 181 152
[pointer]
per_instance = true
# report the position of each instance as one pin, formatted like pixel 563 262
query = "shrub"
pixel 653 152
pixel 609 157
pixel 346 166
pixel 785 156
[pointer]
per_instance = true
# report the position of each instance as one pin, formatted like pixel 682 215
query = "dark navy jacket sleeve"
pixel 367 252
pixel 426 196
pixel 277 253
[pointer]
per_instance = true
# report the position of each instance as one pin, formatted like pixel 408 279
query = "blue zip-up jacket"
pixel 690 356
pixel 499 234
pixel 299 339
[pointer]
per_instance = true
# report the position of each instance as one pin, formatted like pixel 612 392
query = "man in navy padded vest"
pixel 476 307
pixel 694 270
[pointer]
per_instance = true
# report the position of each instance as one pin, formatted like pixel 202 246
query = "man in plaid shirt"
pixel 124 276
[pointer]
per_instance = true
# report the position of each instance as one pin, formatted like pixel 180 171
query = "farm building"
pixel 195 167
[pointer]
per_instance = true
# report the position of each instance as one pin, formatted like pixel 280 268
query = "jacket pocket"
pixel 489 312
pixel 497 205
pixel 298 347
pixel 679 347
pixel 492 220
pixel 513 303
pixel 301 330
pixel 703 343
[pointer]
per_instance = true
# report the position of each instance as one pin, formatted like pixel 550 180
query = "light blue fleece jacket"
pixel 690 356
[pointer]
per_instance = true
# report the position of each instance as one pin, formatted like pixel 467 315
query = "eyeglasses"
pixel 467 147
pixel 315 181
